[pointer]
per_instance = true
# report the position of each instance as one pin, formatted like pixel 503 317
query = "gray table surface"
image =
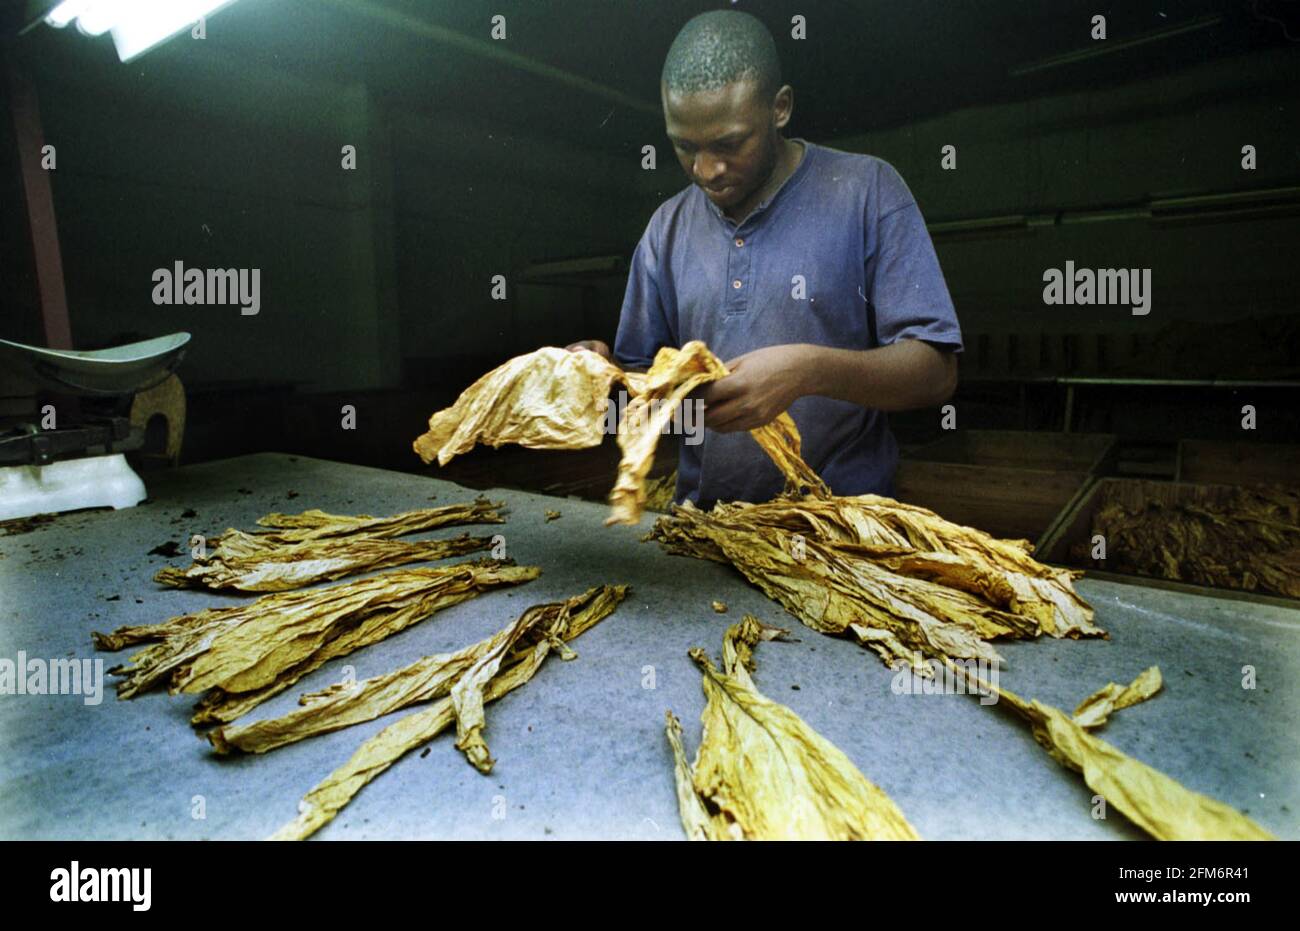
pixel 580 749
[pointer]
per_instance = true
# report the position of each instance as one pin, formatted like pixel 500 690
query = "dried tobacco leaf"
pixel 902 535
pixel 1245 538
pixel 545 629
pixel 1097 708
pixel 555 399
pixel 345 704
pixel 659 492
pixel 246 563
pixel 761 773
pixel 316 524
pixel 1159 805
pixel 905 604
pixel 548 399
pixel 675 374
pixel 248 653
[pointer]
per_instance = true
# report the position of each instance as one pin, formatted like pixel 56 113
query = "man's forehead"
pixel 713 112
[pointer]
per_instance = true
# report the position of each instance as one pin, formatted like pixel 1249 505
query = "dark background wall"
pixel 480 157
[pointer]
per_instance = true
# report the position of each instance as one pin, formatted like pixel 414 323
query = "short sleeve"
pixel 909 297
pixel 642 323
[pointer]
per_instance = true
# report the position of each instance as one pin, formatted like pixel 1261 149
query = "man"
pixel 807 270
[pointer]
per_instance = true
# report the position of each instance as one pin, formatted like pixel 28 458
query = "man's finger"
pixel 594 345
pixel 722 390
pixel 720 417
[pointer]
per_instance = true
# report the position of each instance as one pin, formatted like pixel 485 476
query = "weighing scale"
pixel 78 461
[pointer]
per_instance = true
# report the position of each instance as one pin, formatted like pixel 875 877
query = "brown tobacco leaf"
pixel 659 492
pixel 245 562
pixel 1242 538
pixel 534 635
pixel 1159 805
pixel 761 773
pixel 548 399
pixel 249 652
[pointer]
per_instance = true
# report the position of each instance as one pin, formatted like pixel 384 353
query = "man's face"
pixel 725 139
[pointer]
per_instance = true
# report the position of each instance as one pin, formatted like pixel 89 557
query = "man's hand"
pixel 594 345
pixel 761 386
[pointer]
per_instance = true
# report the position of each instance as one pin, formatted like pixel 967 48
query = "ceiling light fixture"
pixel 136 25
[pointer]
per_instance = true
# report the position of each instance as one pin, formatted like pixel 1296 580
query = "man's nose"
pixel 706 168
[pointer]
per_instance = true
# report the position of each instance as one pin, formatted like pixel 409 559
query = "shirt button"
pixel 739 241
pixel 736 283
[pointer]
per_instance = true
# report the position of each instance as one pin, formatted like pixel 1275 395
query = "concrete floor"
pixel 580 749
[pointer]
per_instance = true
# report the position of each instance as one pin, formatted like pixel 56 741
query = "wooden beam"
pixel 30 138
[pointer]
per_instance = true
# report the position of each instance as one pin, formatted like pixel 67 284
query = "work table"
pixel 580 749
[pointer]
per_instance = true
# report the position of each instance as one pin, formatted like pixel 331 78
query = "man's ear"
pixel 783 106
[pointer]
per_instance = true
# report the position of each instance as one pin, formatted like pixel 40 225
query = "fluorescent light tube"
pixel 65 13
pixel 142 24
pixel 137 25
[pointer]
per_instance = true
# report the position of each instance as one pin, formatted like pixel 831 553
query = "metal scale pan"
pixel 116 371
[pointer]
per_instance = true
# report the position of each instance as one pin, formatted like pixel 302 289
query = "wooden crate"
pixel 1007 502
pixel 1238 463
pixel 1092 453
pixel 1075 526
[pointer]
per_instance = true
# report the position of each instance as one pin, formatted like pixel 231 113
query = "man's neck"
pixel 787 161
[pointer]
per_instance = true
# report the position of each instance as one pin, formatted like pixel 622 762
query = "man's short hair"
pixel 719 48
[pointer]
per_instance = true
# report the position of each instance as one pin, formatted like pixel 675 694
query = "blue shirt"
pixel 839 256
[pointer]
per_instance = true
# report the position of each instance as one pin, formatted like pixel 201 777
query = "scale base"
pixel 69 485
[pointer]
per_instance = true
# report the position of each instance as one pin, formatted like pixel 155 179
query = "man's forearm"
pixel 901 376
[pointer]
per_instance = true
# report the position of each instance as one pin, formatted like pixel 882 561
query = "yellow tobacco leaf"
pixel 316 524
pixel 255 653
pixel 1159 805
pixel 761 773
pixel 1094 710
pixel 835 593
pixel 675 374
pixel 922 543
pixel 555 399
pixel 378 753
pixel 262 647
pixel 245 563
pixel 548 399
pixel 344 704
